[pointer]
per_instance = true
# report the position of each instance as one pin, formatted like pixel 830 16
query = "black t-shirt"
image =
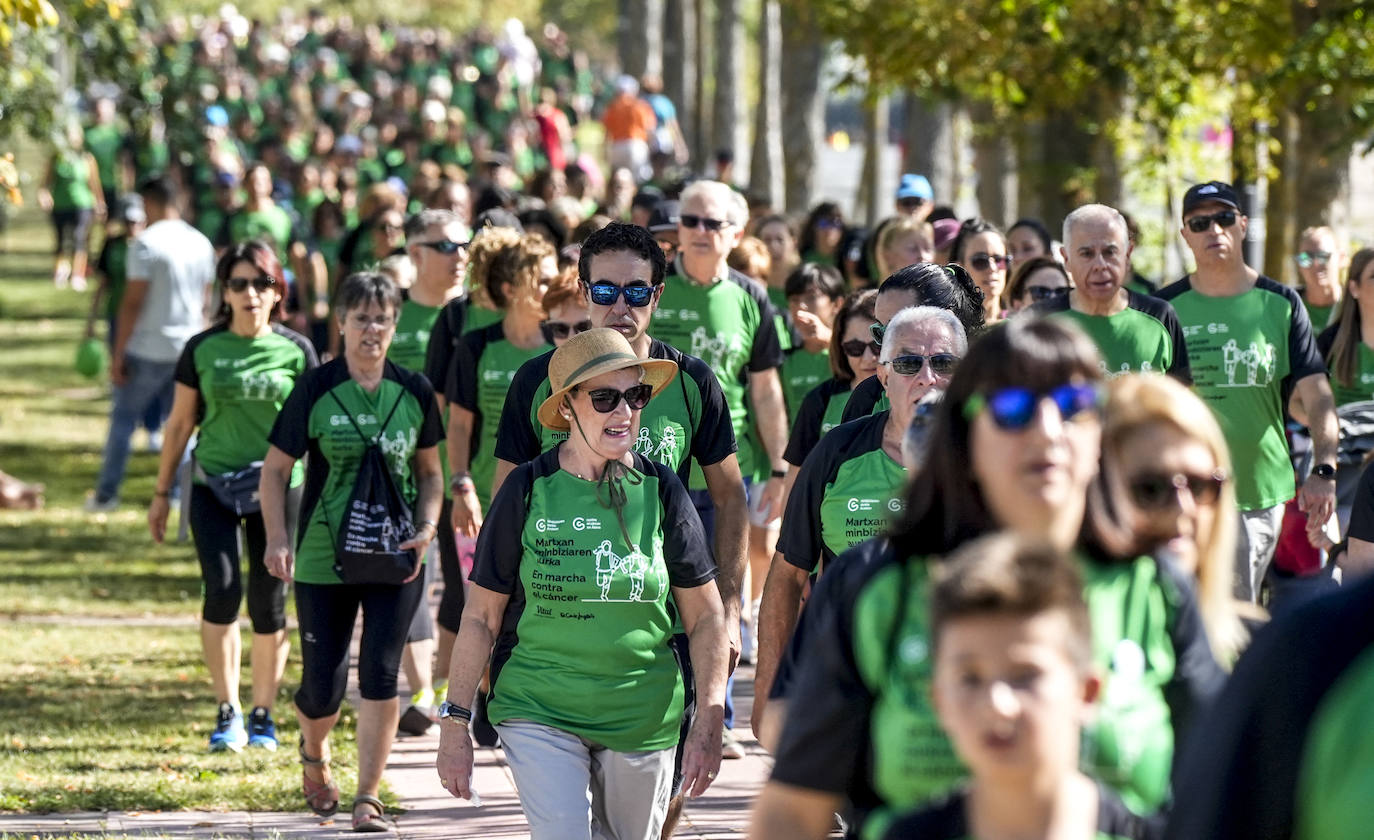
pixel 809 426
pixel 947 819
pixel 1287 750
pixel 864 399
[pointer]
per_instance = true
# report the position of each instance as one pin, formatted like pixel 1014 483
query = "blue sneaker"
pixel 229 733
pixel 262 733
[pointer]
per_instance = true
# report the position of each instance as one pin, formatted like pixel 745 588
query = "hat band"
pixel 597 361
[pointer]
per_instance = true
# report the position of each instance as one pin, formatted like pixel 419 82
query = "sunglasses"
pixel 1158 491
pixel 1202 224
pixel 689 220
pixel 877 330
pixel 1014 408
pixel 1039 293
pixel 604 400
pixel 985 262
pixel 829 224
pixel 940 363
pixel 854 348
pixel 447 247
pixel 910 203
pixel 1306 259
pixel 560 330
pixel 262 283
pixel 606 294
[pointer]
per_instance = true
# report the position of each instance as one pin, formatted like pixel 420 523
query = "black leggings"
pixel 327 613
pixel 452 601
pixel 216 530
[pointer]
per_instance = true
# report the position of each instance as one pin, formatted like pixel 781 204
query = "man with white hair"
pixel 1135 333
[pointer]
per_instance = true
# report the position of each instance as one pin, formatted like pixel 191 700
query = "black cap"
pixel 497 217
pixel 1218 191
pixel 647 197
pixel 665 216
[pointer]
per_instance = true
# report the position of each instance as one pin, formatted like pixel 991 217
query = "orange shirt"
pixel 628 118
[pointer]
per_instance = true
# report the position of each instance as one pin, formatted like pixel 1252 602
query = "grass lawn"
pixel 104 715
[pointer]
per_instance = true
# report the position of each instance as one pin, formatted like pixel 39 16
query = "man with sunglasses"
pixel 1250 346
pixel 1134 332
pixel 687 426
pixel 1321 265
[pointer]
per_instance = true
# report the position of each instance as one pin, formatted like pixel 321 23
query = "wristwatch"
pixel 1325 471
pixel 455 713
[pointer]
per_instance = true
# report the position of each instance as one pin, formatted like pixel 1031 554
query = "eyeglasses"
pixel 941 364
pixel 829 224
pixel 689 220
pixel 1306 259
pixel 604 400
pixel 877 330
pixel 1202 224
pixel 854 348
pixel 381 322
pixel 606 294
pixel 1039 293
pixel 560 330
pixel 447 247
pixel 985 262
pixel 262 283
pixel 1157 491
pixel 1014 408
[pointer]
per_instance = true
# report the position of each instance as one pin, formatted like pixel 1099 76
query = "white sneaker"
pixel 94 505
pixel 78 283
pixel 155 442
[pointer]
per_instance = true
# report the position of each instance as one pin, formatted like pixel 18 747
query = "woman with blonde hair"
pixel 1166 464
pixel 485 245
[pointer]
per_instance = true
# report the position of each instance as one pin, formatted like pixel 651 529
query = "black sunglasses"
pixel 689 220
pixel 1202 224
pixel 1039 293
pixel 262 283
pixel 910 202
pixel 1157 491
pixel 606 294
pixel 1014 408
pixel 985 262
pixel 560 330
pixel 636 397
pixel 911 364
pixel 855 348
pixel 447 247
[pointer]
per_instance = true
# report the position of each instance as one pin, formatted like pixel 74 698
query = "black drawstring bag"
pixel 376 521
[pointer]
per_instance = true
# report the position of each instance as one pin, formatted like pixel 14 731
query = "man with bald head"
pixel 1134 332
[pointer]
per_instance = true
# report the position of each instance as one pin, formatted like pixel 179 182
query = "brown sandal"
pixel 322 797
pixel 368 822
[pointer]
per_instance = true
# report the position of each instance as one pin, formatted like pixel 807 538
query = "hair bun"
pixel 961 276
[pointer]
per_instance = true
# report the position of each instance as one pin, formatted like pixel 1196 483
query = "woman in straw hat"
pixel 571 586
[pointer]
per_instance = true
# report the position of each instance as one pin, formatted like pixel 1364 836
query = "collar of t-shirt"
pixel 681 270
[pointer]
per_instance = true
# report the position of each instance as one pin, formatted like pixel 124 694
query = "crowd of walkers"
pixel 993 516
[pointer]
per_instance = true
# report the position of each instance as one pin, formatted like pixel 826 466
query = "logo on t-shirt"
pixel 1248 368
pixel 856 505
pixel 665 452
pixel 712 350
pixel 546 525
pixel 647 581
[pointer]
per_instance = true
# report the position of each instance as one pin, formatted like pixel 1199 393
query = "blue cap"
pixel 349 144
pixel 915 186
pixel 216 115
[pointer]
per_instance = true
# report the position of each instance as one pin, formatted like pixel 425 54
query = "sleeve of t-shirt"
pixel 517 441
pixel 685 547
pixel 799 541
pixel 1326 339
pixel 1303 358
pixel 806 431
pixel 290 432
pixel 714 439
pixel 1180 369
pixel 767 348
pixel 1362 509
pixel 439 353
pixel 825 739
pixel 432 425
pixel 136 261
pixel 496 559
pixel 1197 678
pixel 186 372
pixel 460 388
pixel 866 395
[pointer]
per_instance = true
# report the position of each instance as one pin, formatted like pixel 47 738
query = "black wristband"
pixel 778 473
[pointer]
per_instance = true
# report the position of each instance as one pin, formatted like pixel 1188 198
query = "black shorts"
pixel 73 229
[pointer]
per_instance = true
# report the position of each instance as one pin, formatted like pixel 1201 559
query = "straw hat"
pixel 589 355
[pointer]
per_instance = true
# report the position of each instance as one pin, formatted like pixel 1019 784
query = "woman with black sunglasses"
pixel 570 604
pixel 232 380
pixel 1014 446
pixel 1037 279
pixel 853 359
pixel 821 234
pixel 850 485
pixel 982 250
pixel 565 305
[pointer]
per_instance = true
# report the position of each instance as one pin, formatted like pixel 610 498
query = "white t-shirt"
pixel 178 262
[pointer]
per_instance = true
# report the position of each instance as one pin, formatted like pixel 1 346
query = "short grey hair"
pixel 422 221
pixel 736 208
pixel 914 317
pixel 1095 213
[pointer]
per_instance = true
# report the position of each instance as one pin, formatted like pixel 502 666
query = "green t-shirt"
pixel 410 342
pixel 728 325
pixel 484 366
pixel 272 224
pixel 113 263
pixel 847 492
pixel 1245 352
pixel 584 641
pixel 1320 316
pixel 947 819
pixel 71 182
pixel 1361 387
pixel 871 730
pixel 241 385
pixel 822 409
pixel 105 142
pixel 1142 338
pixel 315 421
pixel 480 316
pixel 802 371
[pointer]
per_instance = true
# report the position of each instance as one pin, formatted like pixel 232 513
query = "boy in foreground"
pixel 1013 685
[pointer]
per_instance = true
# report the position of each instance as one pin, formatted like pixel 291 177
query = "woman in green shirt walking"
pixel 71 193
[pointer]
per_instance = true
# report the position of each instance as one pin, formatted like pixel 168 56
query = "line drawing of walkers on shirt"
pixel 713 350
pixel 1255 358
pixel 635 566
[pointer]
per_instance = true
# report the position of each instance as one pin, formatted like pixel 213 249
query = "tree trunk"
pixel 803 121
pixel 633 47
pixel 1108 186
pixel 1245 177
pixel 680 61
pixel 1323 161
pixel 1062 177
pixel 701 134
pixel 870 203
pixel 765 161
pixel 1280 225
pixel 994 159
pixel 928 137
pixel 729 104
